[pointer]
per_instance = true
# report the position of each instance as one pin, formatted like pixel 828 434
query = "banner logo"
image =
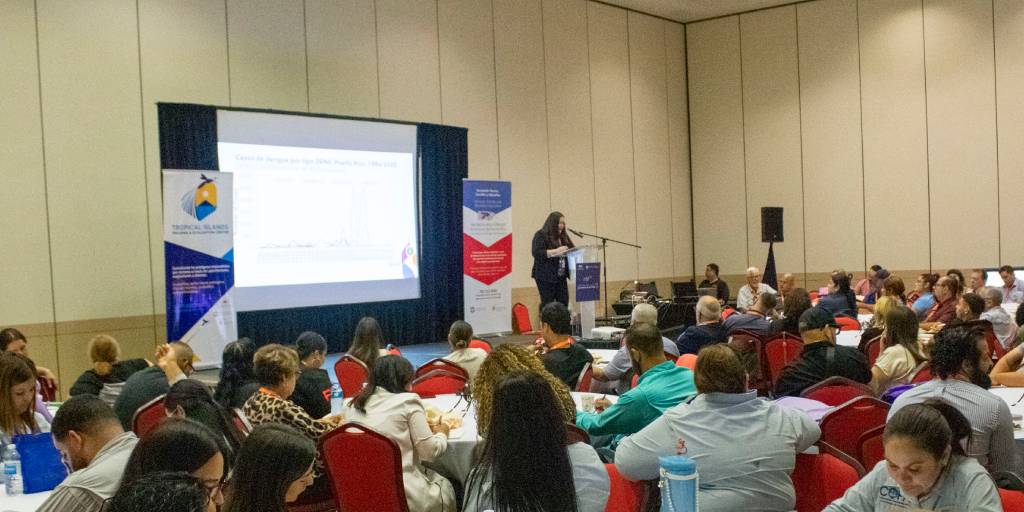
pixel 408 261
pixel 202 201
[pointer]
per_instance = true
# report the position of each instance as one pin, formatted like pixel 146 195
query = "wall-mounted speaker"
pixel 771 224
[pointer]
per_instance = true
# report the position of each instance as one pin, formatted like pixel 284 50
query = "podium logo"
pixel 202 201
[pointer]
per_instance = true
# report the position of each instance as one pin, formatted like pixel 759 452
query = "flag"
pixel 769 278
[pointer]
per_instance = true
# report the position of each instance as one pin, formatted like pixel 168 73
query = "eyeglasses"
pixel 215 489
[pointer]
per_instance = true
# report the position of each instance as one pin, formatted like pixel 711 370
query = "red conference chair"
pixel 813 492
pixel 749 348
pixel 586 378
pixel 148 416
pixel 687 361
pixel 47 391
pixel 847 324
pixel 727 312
pixel 626 495
pixel 995 348
pixel 365 470
pixel 521 319
pixel 836 391
pixel 393 350
pixel 438 382
pixel 1013 501
pixel 870 450
pixel 575 435
pixel 873 348
pixel 351 374
pixel 779 351
pixel 439 364
pixel 813 296
pixel 843 426
pixel 240 422
pixel 923 373
pixel 480 344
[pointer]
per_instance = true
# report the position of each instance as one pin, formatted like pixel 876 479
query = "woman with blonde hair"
pixel 901 352
pixel 502 360
pixel 108 373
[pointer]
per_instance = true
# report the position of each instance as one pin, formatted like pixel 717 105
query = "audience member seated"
pixel 1018 318
pixel 960 363
pixel 367 342
pixel 1009 370
pixel 956 274
pixel 711 280
pixel 976 282
pixel 468 358
pixel 821 358
pixel 787 283
pixel 892 288
pixel 840 299
pixel 173 363
pixel 12 340
pixel 237 381
pixel 191 399
pixel 969 307
pixel 756 317
pixel 1002 325
pixel 18 397
pixel 901 352
pixel 561 355
pixel 526 462
pixel 277 370
pixel 274 466
pixel 616 375
pixel 95 447
pixel 662 384
pixel 925 467
pixel 1013 288
pixel 748 294
pixel 922 298
pixel 500 362
pixel 164 491
pixel 180 444
pixel 108 373
pixel 386 406
pixel 944 310
pixel 794 305
pixel 865 286
pixel 313 389
pixel 713 430
pixel 708 330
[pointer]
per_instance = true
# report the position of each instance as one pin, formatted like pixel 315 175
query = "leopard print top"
pixel 267 408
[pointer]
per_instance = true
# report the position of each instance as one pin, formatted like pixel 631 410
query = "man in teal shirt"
pixel 662 385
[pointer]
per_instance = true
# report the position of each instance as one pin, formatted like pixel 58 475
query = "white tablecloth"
pixel 457 461
pixel 602 356
pixel 848 338
pixel 22 503
pixel 1012 397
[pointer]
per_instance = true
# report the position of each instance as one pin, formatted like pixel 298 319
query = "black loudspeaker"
pixel 771 224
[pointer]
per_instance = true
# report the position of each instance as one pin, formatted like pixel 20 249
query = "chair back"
pixel 1013 501
pixel 575 435
pixel 240 422
pixel 147 417
pixel 1008 480
pixel 521 319
pixel 923 373
pixel 351 374
pixel 813 492
pixel 364 469
pixel 480 344
pixel 586 378
pixel 439 364
pixel 873 348
pixel 727 312
pixel 779 351
pixel 870 450
pixel 687 361
pixel 47 390
pixel 393 350
pixel 626 495
pixel 836 391
pixel 843 426
pixel 995 348
pixel 749 348
pixel 438 382
pixel 847 324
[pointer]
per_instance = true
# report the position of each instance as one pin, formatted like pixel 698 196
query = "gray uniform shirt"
pixel 965 486
pixel 745 449
pixel 86 489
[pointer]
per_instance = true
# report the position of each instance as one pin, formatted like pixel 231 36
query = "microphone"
pixel 573 231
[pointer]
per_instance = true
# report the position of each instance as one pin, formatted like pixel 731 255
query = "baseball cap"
pixel 816 318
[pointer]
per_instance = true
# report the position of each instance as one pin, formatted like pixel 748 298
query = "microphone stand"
pixel 604 258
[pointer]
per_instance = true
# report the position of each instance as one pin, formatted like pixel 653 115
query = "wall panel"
pixel 267 54
pixel 409 69
pixel 771 123
pixel 613 137
pixel 467 79
pixel 25 265
pixel 716 121
pixel 679 150
pixel 961 132
pixel 830 135
pixel 1009 53
pixel 895 138
pixel 341 45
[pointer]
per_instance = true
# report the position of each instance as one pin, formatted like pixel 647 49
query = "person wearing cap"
pixel 821 357
pixel 173 363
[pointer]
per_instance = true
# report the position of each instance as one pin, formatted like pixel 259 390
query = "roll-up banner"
pixel 487 255
pixel 199 262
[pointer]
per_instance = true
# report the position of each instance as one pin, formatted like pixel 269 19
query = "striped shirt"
pixel 991 424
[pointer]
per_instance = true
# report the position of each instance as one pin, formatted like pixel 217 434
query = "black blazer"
pixel 544 268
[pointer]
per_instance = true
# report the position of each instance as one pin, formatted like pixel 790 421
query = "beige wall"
pixel 889 130
pixel 580 105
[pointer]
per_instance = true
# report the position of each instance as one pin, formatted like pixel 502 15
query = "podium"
pixel 585 306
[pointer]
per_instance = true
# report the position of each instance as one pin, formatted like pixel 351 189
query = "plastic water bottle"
pixel 337 399
pixel 679 484
pixel 13 483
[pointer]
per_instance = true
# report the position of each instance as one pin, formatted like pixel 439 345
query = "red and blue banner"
pixel 487 255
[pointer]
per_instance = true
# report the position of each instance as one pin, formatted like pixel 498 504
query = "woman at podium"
pixel 550 265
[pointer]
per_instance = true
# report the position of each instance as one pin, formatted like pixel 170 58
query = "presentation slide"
pixel 321 219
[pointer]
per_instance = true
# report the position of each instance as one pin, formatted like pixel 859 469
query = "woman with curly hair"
pixel 502 360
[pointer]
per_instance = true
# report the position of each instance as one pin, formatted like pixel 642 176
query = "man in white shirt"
pixel 747 295
pixel 1002 325
pixel 1013 288
pixel 90 439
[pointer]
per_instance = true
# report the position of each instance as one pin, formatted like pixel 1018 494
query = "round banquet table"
pixel 457 461
pixel 23 502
